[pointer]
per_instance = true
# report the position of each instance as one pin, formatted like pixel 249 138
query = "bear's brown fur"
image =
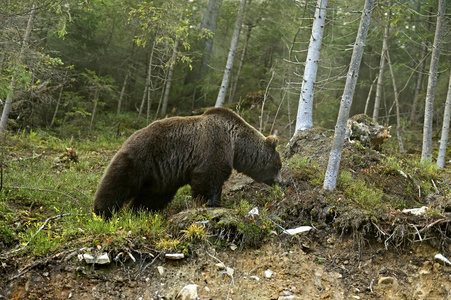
pixel 199 150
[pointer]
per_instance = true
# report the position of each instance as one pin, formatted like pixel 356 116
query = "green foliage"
pixel 195 232
pixel 366 195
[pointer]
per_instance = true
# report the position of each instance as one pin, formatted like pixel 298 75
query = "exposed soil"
pixel 350 253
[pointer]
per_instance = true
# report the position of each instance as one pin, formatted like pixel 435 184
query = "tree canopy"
pixel 141 45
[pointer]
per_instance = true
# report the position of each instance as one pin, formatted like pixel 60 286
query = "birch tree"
pixel 169 79
pixel 209 24
pixel 304 119
pixel 445 130
pixel 231 56
pixel 9 97
pixel 396 96
pixel 330 180
pixel 432 82
pixel 380 78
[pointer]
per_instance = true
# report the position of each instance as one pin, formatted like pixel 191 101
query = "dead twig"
pixel 228 273
pixel 40 228
pixel 41 190
pixel 27 158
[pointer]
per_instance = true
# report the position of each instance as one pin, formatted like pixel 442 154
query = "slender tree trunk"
pixel 240 66
pixel 57 106
pixel 96 101
pixel 231 56
pixel 368 98
pixel 209 22
pixel 432 82
pixel 330 180
pixel 164 106
pixel 147 85
pixel 380 78
pixel 395 92
pixel 121 96
pixel 304 118
pixel 264 101
pixel 413 112
pixel 445 129
pixel 8 104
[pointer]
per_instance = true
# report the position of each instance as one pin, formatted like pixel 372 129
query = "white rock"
pixel 253 212
pixel 255 277
pixel 268 273
pixel 160 270
pixel 220 266
pixel 230 272
pixel 189 292
pixel 439 257
pixel 298 230
pixel 174 256
pixel 101 259
pixel 416 211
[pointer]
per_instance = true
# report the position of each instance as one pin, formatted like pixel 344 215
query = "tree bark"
pixel 380 78
pixel 432 82
pixel 395 92
pixel 240 66
pixel 413 112
pixel 231 56
pixel 304 118
pixel 147 85
pixel 58 102
pixel 209 22
pixel 121 96
pixel 330 180
pixel 8 104
pixel 169 79
pixel 96 101
pixel 368 98
pixel 445 130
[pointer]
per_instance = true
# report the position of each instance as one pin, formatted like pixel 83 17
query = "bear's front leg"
pixel 208 187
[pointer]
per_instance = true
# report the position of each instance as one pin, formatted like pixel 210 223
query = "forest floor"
pixel 361 244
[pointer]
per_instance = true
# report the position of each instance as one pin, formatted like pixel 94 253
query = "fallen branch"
pixel 26 158
pixel 231 274
pixel 41 190
pixel 40 228
pixel 45 260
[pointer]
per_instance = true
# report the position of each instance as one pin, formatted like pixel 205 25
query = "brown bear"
pixel 199 150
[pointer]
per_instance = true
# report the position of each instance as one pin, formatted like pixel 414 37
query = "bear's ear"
pixel 272 140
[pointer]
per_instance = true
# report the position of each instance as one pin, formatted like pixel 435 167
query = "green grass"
pixel 38 185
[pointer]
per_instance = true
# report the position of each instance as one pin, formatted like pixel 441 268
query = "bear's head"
pixel 267 166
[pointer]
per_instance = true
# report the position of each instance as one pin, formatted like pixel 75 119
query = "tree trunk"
pixel 432 82
pixel 395 92
pixel 368 98
pixel 7 107
pixel 147 85
pixel 445 129
pixel 380 78
pixel 96 101
pixel 57 106
pixel 240 66
pixel 209 22
pixel 169 79
pixel 121 96
pixel 231 56
pixel 413 112
pixel 304 118
pixel 330 180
